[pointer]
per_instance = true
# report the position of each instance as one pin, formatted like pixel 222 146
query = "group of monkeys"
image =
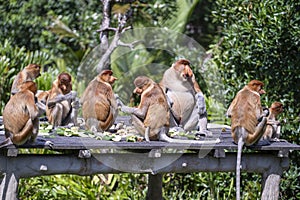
pixel 177 101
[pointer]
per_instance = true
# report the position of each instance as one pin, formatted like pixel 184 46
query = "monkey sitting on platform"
pixel 152 117
pixel 272 131
pixel 99 107
pixel 185 98
pixel 20 117
pixel 248 121
pixel 59 110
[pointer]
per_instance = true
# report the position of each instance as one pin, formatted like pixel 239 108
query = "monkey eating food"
pixel 152 117
pixel 248 121
pixel 99 107
pixel 59 109
pixel 20 117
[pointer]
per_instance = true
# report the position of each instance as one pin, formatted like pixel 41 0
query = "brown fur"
pixel 180 86
pixel 245 110
pixel 58 112
pixel 272 123
pixel 42 96
pixel 29 73
pixel 153 105
pixel 99 103
pixel 152 117
pixel 20 115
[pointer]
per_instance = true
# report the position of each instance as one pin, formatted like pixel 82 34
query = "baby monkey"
pixel 272 131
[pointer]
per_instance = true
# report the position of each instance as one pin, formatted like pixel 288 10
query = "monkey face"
pixel 261 91
pixel 141 83
pixel 138 90
pixel 257 86
pixel 184 71
pixel 112 79
pixel 34 70
pixel 277 107
pixel 65 82
pixel 107 76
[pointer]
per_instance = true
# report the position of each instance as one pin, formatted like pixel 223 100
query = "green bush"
pixel 12 60
pixel 260 40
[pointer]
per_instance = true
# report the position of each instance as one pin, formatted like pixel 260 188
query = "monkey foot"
pixel 49 144
pixel 176 129
pixel 205 133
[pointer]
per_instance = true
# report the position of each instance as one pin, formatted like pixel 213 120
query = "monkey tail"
pixel 238 167
pixel 105 125
pixel 165 138
pixel 22 137
pixel 259 131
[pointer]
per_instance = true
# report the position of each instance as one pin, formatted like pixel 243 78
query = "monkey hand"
pixel 72 95
pixel 127 109
pixel 200 103
pixel 75 104
pixel 265 112
pixel 120 104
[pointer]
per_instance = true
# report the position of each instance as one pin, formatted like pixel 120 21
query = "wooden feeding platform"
pixel 88 156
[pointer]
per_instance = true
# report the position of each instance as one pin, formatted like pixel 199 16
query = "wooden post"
pixel 9 187
pixel 270 187
pixel 154 187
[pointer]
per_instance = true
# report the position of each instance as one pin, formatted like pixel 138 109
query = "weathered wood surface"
pixel 87 156
pixel 79 143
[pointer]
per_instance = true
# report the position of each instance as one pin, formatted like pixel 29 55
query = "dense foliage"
pixel 245 39
pixel 260 40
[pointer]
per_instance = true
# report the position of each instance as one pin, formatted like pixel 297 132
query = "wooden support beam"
pixel 38 165
pixel 9 187
pixel 271 187
pixel 154 187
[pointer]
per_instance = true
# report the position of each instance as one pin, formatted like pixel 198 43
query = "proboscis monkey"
pixel 59 109
pixel 29 73
pixel 185 98
pixel 248 120
pixel 99 107
pixel 152 117
pixel 20 117
pixel 272 131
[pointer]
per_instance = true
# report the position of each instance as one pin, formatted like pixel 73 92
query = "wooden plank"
pixel 61 142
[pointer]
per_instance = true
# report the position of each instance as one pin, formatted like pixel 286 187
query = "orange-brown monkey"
pixel 272 131
pixel 248 121
pixel 20 117
pixel 59 109
pixel 29 73
pixel 152 117
pixel 99 107
pixel 186 100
